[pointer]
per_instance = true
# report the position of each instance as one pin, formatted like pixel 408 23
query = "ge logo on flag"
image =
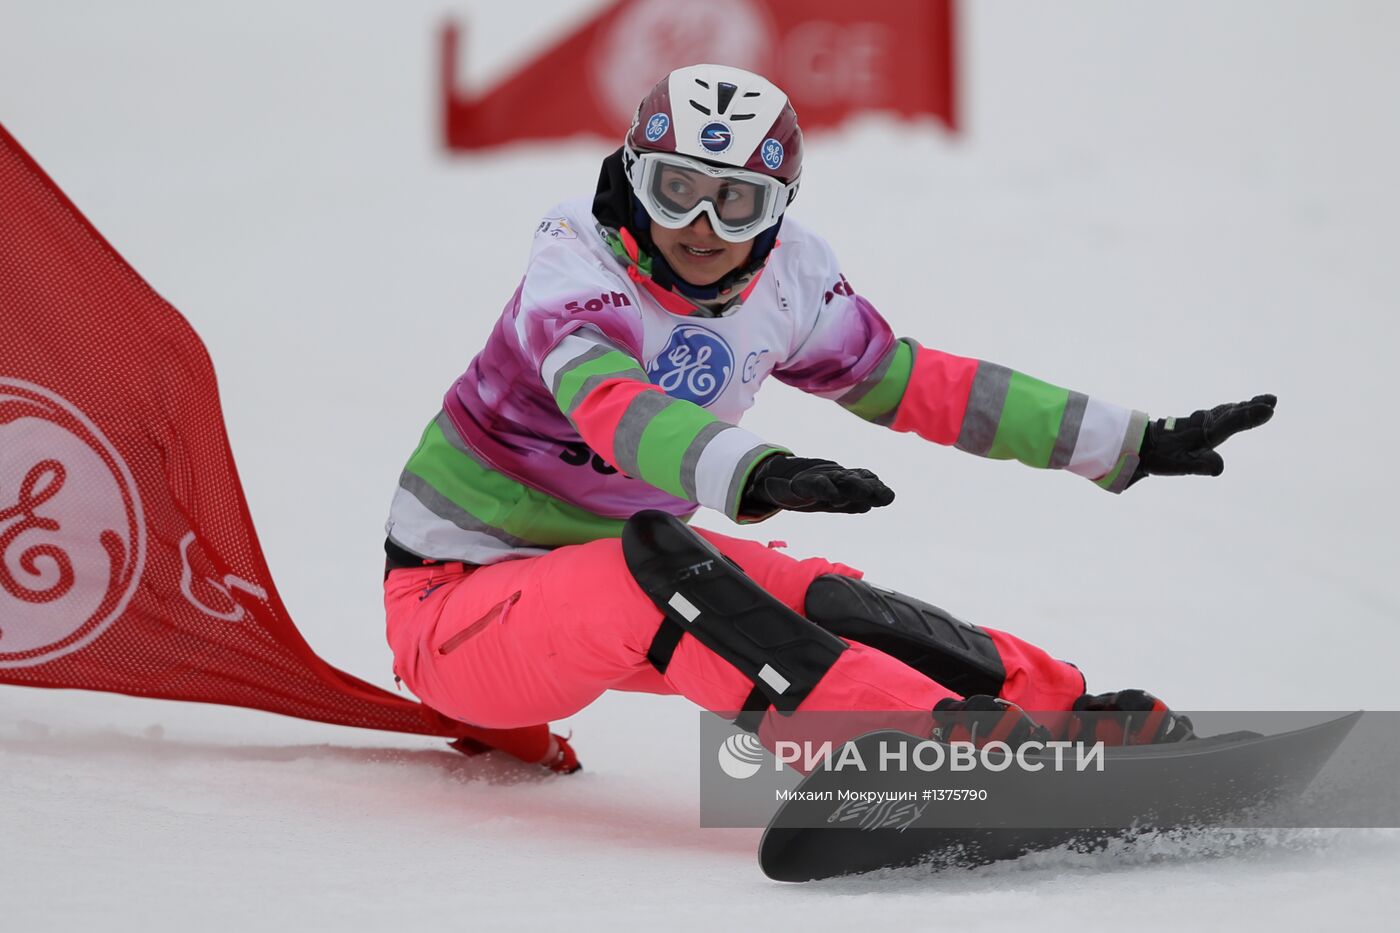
pixel 72 533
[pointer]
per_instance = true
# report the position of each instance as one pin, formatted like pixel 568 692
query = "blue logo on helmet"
pixel 773 153
pixel 696 365
pixel 657 126
pixel 716 137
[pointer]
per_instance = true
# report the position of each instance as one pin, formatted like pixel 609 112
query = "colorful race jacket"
pixel 591 400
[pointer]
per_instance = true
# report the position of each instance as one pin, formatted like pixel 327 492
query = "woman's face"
pixel 697 254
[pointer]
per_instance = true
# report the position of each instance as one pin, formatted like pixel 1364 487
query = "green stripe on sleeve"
pixel 885 395
pixel 498 501
pixel 1030 421
pixel 612 363
pixel 664 442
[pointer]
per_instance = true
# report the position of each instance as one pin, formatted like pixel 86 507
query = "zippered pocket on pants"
pixel 496 613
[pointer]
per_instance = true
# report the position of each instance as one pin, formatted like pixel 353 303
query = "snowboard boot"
pixel 1128 717
pixel 981 719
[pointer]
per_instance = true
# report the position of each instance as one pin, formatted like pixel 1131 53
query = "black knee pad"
pixel 705 595
pixel 935 643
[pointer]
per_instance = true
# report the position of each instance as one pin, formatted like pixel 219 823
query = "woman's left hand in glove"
pixel 1186 446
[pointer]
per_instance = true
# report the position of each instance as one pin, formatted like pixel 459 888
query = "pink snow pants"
pixel 537 639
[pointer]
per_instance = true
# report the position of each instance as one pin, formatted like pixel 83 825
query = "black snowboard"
pixel 1211 781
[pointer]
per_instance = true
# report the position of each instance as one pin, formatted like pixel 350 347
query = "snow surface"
pixel 1170 205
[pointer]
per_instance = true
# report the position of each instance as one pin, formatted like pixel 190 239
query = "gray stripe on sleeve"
pixel 741 473
pixel 454 439
pixel 863 388
pixel 449 431
pixel 585 357
pixel 691 458
pixel 1131 442
pixel 984 406
pixel 628 437
pixel 1069 431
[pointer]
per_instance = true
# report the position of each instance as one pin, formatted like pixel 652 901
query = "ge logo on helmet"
pixel 695 365
pixel 741 756
pixel 773 154
pixel 716 136
pixel 657 126
pixel 72 533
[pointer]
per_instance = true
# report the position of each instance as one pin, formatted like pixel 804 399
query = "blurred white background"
pixel 1168 205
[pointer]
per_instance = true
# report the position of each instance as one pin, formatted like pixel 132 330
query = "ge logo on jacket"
pixel 696 365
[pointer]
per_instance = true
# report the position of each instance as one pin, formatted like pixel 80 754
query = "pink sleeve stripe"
pixel 936 399
pixel 597 417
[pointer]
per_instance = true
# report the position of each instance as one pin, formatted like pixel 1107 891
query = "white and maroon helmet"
pixel 733 126
pixel 721 115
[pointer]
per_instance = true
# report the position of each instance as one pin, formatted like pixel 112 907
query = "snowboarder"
pixel 534 529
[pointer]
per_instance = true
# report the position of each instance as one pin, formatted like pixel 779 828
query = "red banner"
pixel 128 560
pixel 834 58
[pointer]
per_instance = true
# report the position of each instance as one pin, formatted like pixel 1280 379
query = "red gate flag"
pixel 834 58
pixel 128 560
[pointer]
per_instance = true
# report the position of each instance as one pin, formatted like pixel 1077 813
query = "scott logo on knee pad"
pixel 695 570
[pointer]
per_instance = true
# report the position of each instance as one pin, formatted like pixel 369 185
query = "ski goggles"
pixel 676 189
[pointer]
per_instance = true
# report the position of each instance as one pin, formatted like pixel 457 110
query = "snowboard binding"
pixel 1128 717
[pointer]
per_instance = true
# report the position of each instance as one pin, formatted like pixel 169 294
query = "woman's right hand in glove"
pixel 798 484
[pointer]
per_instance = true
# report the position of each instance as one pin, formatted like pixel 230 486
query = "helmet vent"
pixel 742 116
pixel 700 107
pixel 726 94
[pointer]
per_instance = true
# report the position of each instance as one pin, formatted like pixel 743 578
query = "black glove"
pixel 980 719
pixel 1186 446
pixel 802 485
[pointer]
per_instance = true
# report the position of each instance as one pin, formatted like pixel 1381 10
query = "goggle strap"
pixel 629 243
